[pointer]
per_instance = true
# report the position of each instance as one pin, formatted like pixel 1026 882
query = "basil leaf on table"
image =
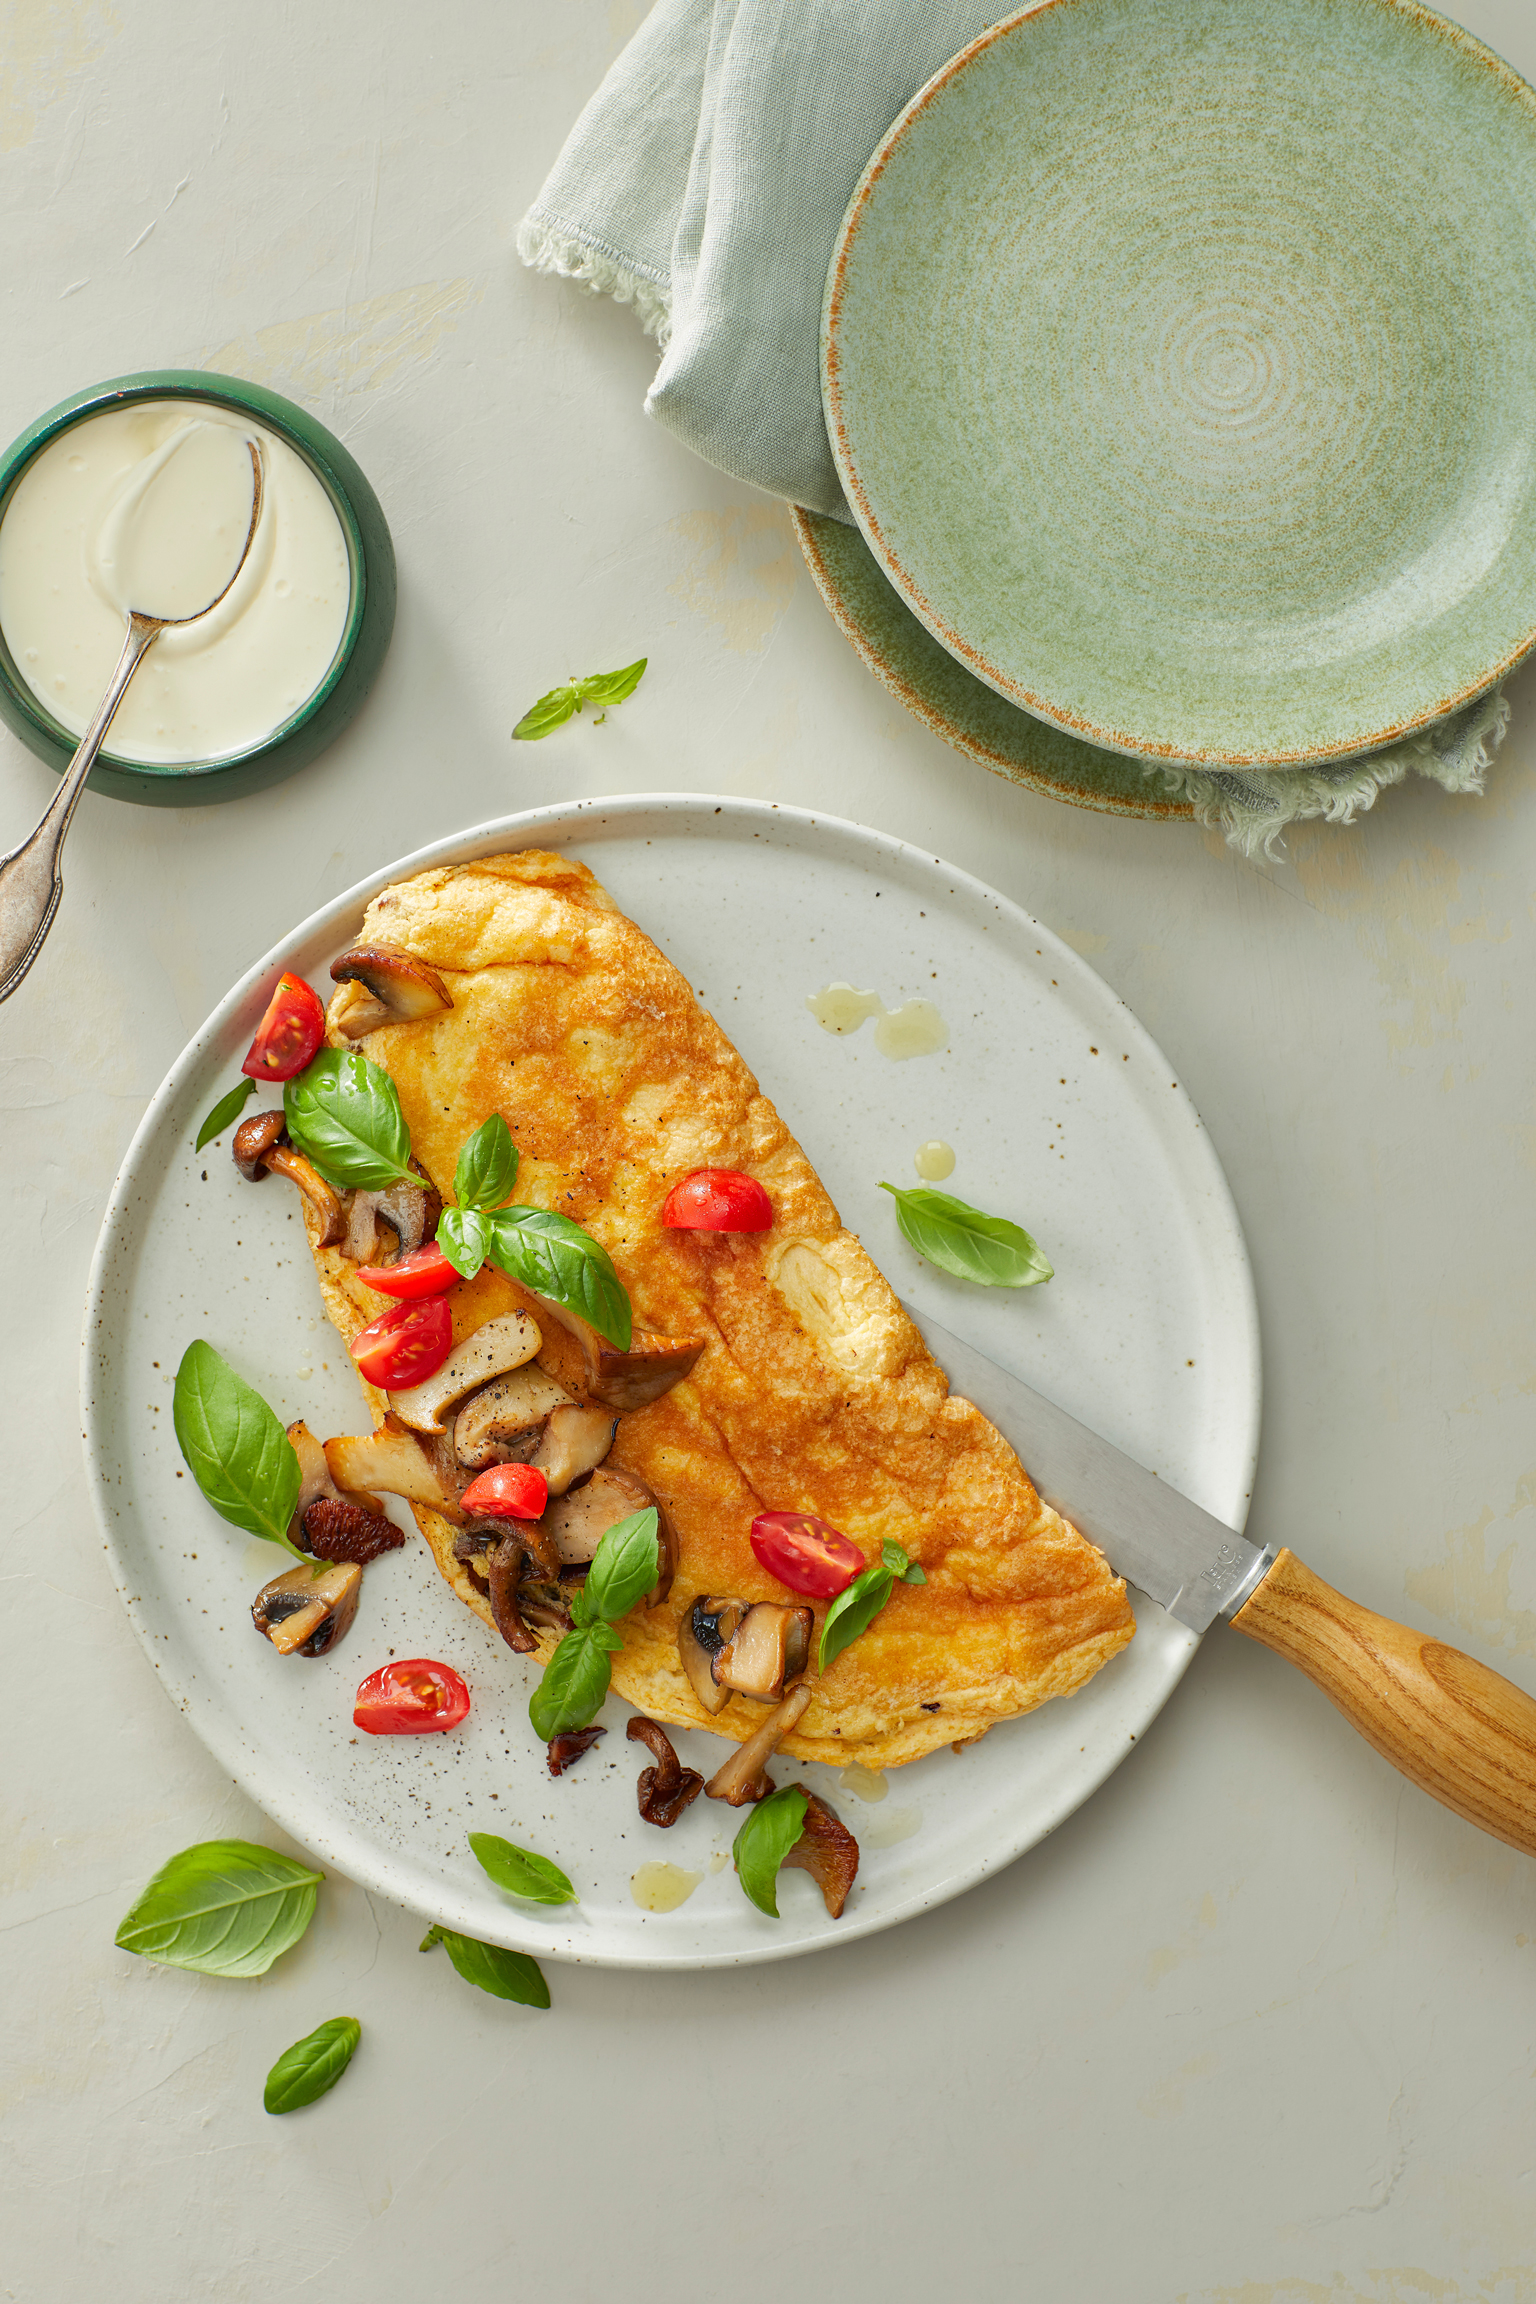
pixel 227 1108
pixel 556 1258
pixel 964 1241
pixel 312 2066
pixel 491 1968
pixel 766 1838
pixel 235 1448
pixel 224 1907
pixel 605 688
pixel 487 1167
pixel 624 1567
pixel 343 1112
pixel 551 711
pixel 853 1611
pixel 520 1871
pixel 464 1235
pixel 575 1681
pixel 557 705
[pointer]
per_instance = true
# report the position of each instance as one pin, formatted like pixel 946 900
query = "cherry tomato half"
pixel 405 1346
pixel 508 1492
pixel 717 1200
pixel 289 1033
pixel 426 1273
pixel 807 1554
pixel 410 1699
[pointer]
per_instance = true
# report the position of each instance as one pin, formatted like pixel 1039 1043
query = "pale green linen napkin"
pixel 704 184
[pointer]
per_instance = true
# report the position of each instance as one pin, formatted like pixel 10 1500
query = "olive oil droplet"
pixel 934 1160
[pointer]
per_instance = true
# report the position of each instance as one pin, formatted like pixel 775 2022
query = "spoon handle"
pixel 32 876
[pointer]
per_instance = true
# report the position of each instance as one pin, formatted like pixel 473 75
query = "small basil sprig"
pixel 520 1871
pixel 766 1838
pixel 343 1112
pixel 961 1240
pixel 556 707
pixel 537 1247
pixel 486 1173
pixel 624 1568
pixel 491 1968
pixel 235 1448
pixel 223 1112
pixel 224 1907
pixel 853 1611
pixel 312 2066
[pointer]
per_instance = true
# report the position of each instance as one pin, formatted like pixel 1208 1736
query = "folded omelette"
pixel 813 1391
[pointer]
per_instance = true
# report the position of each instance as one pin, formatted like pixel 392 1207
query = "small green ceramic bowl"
pixel 370 616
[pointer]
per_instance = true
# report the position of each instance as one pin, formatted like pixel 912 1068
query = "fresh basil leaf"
pixel 607 688
pixel 764 1841
pixel 961 1240
pixel 575 1681
pixel 235 1448
pixel 312 2066
pixel 225 1908
pixel 491 1968
pixel 343 1112
pixel 895 1558
pixel 520 1871
pixel 556 1258
pixel 853 1612
pixel 464 1236
pixel 624 1567
pixel 549 712
pixel 487 1167
pixel 227 1108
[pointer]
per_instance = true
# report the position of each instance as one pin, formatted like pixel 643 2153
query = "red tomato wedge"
pixel 717 1200
pixel 807 1554
pixel 508 1492
pixel 426 1273
pixel 289 1033
pixel 405 1346
pixel 410 1699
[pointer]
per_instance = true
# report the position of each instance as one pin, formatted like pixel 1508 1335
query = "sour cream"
pixel 148 507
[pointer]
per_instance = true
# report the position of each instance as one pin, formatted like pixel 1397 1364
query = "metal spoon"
pixel 32 876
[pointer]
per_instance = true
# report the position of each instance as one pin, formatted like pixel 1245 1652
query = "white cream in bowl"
pixel 147 506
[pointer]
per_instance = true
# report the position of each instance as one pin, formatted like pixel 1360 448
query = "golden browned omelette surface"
pixel 814 1391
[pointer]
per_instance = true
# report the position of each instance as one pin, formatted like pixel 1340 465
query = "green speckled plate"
pixel 952 701
pixel 1180 367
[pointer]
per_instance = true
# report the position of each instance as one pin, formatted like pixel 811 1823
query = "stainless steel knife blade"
pixel 1189 1562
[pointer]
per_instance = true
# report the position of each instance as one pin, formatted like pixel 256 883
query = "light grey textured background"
pixel 1255 2027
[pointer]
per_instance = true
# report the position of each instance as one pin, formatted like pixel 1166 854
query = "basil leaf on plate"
pixel 964 1241
pixel 552 709
pixel 312 2066
pixel 235 1448
pixel 766 1838
pixel 491 1968
pixel 624 1567
pixel 224 1907
pixel 556 1258
pixel 464 1235
pixel 487 1167
pixel 227 1108
pixel 575 1681
pixel 343 1112
pixel 520 1871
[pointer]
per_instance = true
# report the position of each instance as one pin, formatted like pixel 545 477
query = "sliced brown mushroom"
pixel 316 1486
pixel 335 1529
pixel 503 1423
pixel 307 1610
pixel 494 1350
pixel 392 1461
pixel 563 1751
pixel 770 1645
pixel 632 1379
pixel 701 1634
pixel 667 1789
pixel 579 1520
pixel 543 1601
pixel 261 1148
pixel 744 1778
pixel 388 987
pixel 827 1850
pixel 574 1442
pixel 503 1570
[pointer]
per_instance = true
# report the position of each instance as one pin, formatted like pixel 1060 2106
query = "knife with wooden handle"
pixel 1461 1732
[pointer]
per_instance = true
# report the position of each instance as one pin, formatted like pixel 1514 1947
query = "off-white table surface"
pixel 1256 2026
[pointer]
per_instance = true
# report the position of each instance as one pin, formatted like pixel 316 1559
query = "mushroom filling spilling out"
pixel 386 987
pixel 497 1349
pixel 504 1422
pixel 632 1379
pixel 307 1610
pixel 328 1522
pixel 709 1626
pixel 744 1778
pixel 770 1645
pixel 409 1209
pixel 261 1148
pixel 666 1789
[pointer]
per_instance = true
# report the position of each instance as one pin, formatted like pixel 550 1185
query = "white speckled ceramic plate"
pixel 1180 369
pixel 1062 1112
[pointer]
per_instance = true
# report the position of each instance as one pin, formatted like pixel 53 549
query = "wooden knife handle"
pixel 1461 1733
